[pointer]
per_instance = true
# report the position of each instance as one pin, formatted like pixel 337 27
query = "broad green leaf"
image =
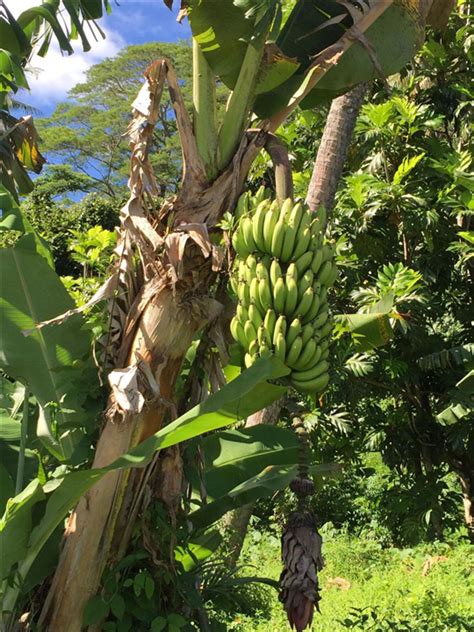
pixel 315 25
pixel 369 330
pixel 198 549
pixel 12 218
pixel 233 456
pixel 15 526
pixel 10 429
pixel 222 31
pixel 462 402
pixel 248 393
pixel 270 480
pixel 31 293
pixel 46 12
pixel 95 611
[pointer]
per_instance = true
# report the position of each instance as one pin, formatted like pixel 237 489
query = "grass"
pixel 387 587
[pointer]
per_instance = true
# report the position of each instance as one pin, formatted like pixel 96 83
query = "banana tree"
pixel 165 287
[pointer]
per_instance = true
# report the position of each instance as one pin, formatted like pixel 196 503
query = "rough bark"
pixel 466 478
pixel 333 149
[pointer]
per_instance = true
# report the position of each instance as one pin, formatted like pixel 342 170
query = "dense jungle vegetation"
pixel 390 439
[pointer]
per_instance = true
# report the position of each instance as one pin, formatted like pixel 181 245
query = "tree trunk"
pixel 467 485
pixel 164 282
pixel 333 149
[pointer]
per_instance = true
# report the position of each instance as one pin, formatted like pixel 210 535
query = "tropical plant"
pixel 165 287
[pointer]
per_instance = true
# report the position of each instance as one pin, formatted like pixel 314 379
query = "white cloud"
pixel 55 74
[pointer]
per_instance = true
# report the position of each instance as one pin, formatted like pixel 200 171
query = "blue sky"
pixel 131 22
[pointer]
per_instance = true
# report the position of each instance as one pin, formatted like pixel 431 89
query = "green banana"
pixel 294 351
pixel 333 275
pixel 319 368
pixel 326 329
pixel 313 310
pixel 239 244
pixel 291 295
pixel 305 282
pixel 251 264
pixel 260 195
pixel 322 317
pixel 304 262
pixel 242 313
pixel 275 272
pixel 279 295
pixel 269 323
pixel 253 346
pixel 324 344
pixel 280 347
pixel 307 332
pixel 261 334
pixel 271 219
pixel 322 216
pixel 316 385
pixel 294 330
pixel 283 308
pixel 238 333
pixel 243 205
pixel 255 316
pixel 250 333
pixel 295 216
pixel 234 283
pixel 248 359
pixel 288 244
pixel 246 226
pixel 323 293
pixel 307 356
pixel 254 295
pixel 261 272
pixel 265 294
pixel 305 303
pixel 317 261
pixel 243 292
pixel 292 272
pixel 285 210
pixel 316 229
pixel 280 327
pixel 325 272
pixel 277 239
pixel 265 350
pixel 301 244
pixel 257 224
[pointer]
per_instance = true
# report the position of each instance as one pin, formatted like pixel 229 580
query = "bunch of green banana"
pixel 281 277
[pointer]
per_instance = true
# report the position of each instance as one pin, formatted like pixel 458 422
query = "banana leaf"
pixel 249 392
pixel 49 361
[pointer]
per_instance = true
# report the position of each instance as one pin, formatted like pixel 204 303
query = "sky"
pixel 131 22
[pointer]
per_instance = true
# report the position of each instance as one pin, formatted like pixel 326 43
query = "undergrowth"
pixel 367 587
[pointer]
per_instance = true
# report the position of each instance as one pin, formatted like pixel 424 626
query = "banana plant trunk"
pixel 167 298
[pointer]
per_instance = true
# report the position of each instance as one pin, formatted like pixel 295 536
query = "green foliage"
pixel 387 585
pixel 240 398
pixel 406 202
pixel 50 360
pixel 55 220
